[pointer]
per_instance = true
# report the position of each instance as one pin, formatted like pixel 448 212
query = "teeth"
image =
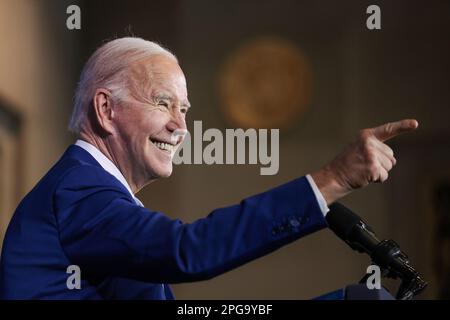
pixel 164 146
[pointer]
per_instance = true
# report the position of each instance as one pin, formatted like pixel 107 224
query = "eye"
pixel 163 104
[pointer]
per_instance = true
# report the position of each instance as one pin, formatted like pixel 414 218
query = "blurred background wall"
pixel 38 68
pixel 359 78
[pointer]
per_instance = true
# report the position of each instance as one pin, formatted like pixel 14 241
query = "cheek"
pixel 138 127
pixel 155 121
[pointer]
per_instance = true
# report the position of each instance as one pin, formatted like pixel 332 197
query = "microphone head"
pixel 348 226
pixel 342 220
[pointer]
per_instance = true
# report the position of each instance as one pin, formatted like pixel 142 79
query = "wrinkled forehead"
pixel 155 75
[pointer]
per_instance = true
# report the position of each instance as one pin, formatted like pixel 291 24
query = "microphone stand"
pixel 393 263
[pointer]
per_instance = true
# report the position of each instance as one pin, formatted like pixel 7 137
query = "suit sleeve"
pixel 104 232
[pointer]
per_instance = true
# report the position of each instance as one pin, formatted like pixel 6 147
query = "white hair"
pixel 108 68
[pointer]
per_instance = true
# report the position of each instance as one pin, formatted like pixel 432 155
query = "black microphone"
pixel 351 228
pixel 386 254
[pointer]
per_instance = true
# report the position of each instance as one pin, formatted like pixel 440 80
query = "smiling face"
pixel 149 121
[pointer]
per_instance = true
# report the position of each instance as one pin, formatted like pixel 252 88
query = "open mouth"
pixel 164 146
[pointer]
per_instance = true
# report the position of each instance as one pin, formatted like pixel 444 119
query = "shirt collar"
pixel 106 164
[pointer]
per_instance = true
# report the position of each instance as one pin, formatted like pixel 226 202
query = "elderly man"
pixel 130 103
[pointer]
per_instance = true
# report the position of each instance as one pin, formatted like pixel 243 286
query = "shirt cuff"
pixel 320 199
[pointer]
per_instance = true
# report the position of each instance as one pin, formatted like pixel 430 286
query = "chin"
pixel 164 172
pixel 158 167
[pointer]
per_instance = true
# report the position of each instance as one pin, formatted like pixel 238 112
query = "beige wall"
pixel 37 62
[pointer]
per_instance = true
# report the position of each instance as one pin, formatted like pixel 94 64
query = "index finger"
pixel 392 129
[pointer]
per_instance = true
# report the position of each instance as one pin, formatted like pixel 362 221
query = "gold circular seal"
pixel 265 83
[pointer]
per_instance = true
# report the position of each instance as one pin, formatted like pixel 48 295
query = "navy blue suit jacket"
pixel 79 214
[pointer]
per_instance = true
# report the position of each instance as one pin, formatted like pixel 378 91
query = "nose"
pixel 177 127
pixel 177 122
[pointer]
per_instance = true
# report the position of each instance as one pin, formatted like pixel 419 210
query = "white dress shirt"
pixel 320 199
pixel 110 167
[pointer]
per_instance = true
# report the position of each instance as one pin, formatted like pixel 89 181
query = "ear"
pixel 103 110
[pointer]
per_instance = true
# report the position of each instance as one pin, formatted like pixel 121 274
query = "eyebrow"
pixel 186 104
